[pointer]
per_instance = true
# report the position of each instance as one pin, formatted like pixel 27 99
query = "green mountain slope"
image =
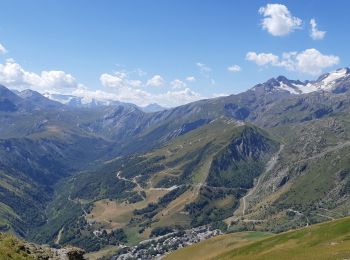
pixel 181 184
pixel 330 240
pixel 309 182
pixel 187 166
pixel 31 165
pixel 12 248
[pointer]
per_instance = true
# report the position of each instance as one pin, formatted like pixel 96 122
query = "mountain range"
pixel 80 102
pixel 272 158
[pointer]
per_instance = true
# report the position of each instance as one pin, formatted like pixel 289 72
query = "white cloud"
pixel 177 84
pixel 119 90
pixel 312 61
pixel 156 81
pixel 118 80
pixel 309 61
pixel 191 79
pixel 262 59
pixel 315 34
pixel 109 80
pixel 141 97
pixel 2 49
pixel 278 20
pixel 13 75
pixel 234 68
pixel 203 68
pixel 174 98
pixel 118 86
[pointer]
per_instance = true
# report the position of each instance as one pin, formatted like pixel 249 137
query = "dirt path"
pixel 325 216
pixel 333 212
pixel 328 150
pixel 300 214
pixel 166 189
pixel 133 180
pixel 57 241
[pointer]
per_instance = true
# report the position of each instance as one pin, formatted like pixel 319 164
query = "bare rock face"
pixel 70 253
pixel 47 253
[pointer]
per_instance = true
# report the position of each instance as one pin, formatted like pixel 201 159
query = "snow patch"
pixel 288 88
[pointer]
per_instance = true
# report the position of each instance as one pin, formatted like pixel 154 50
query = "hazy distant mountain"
pixel 39 100
pixel 153 108
pixel 9 101
pixel 74 101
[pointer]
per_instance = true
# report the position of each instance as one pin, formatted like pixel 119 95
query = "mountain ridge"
pixel 95 141
pixel 330 82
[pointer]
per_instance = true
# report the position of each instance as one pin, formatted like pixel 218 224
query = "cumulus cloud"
pixel 156 81
pixel 262 59
pixel 120 89
pixel 191 79
pixel 2 49
pixel 142 97
pixel 118 80
pixel 278 20
pixel 312 61
pixel 177 84
pixel 234 68
pixel 174 98
pixel 117 86
pixel 315 34
pixel 13 75
pixel 309 61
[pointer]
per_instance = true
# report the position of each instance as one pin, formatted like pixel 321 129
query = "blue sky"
pixel 169 52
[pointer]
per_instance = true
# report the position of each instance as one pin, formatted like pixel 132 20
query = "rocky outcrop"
pixel 15 248
pixel 47 253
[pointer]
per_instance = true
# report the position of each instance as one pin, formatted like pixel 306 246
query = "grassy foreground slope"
pixel 211 248
pixel 15 248
pixel 330 240
pixel 12 248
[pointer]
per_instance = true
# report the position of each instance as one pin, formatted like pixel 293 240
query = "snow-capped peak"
pixel 337 81
pixel 282 84
pixel 327 82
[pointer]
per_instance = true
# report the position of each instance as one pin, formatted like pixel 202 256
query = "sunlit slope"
pixel 185 182
pixel 330 240
pixel 215 246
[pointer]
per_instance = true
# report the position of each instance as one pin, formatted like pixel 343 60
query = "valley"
pixel 188 129
pixel 108 177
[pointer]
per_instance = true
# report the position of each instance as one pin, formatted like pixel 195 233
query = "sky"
pixel 167 52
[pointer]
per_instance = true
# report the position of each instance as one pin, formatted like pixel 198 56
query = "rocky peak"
pixel 28 93
pixel 335 75
pixel 337 81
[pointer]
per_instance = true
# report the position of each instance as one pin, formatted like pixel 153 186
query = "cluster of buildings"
pixel 158 247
